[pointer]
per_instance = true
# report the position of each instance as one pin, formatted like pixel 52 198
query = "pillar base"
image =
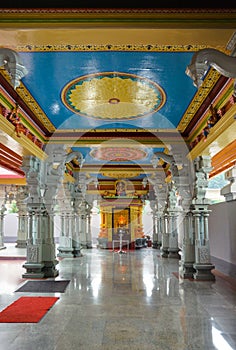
pixel 203 272
pixel 164 252
pixel 65 255
pixel 173 254
pixel 77 253
pixel 83 245
pixel 34 270
pixel 40 270
pixel 156 245
pixel 21 243
pixel 65 252
pixel 186 269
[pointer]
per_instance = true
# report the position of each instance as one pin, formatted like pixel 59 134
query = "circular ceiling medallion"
pixel 118 154
pixel 113 96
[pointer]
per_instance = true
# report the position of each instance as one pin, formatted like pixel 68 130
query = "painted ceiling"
pixel 110 79
pixel 109 90
pixel 86 90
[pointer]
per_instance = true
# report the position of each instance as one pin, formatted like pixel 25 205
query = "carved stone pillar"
pixel 186 233
pixel 155 242
pixel 43 180
pixel 165 236
pixel 66 212
pixel 65 248
pixel 158 207
pixel 77 220
pixel 83 209
pixel 186 269
pixel 40 255
pixel 173 238
pixel 200 211
pixel 2 215
pixel 88 226
pixel 21 202
pixel 173 248
pixel 182 176
pixel 159 228
pixel 82 232
pixel 202 263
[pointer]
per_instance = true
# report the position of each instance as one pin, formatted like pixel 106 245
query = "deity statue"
pixel 120 188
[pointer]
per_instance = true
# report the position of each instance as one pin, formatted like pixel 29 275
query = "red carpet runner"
pixel 27 309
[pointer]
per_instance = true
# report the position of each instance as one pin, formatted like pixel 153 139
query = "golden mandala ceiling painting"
pixel 118 154
pixel 113 96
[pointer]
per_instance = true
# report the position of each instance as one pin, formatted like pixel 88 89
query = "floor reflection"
pixel 125 301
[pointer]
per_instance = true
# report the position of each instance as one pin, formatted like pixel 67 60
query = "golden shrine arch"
pixel 121 209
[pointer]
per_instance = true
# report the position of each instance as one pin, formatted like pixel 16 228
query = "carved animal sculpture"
pixel 75 155
pixel 12 63
pixel 203 59
pixel 168 159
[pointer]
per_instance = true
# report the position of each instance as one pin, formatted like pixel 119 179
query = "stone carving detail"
pixel 202 168
pixel 31 168
pixel 32 253
pixel 168 159
pixel 203 59
pixel 57 160
pixel 204 255
pixel 172 198
pixel 11 61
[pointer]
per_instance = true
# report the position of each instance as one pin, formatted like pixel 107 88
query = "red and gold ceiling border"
pixel 29 101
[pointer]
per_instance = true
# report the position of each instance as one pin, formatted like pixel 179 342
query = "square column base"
pixel 203 272
pixel 40 270
pixel 65 252
pixel 33 270
pixel 186 269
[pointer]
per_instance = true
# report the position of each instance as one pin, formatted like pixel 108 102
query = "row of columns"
pixel 181 226
pixel 36 232
pixel 36 202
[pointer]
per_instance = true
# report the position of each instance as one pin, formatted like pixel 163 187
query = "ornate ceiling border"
pixel 199 97
pixel 110 47
pixel 31 103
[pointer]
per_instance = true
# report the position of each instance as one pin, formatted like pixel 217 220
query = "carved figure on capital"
pixel 205 58
pixel 11 61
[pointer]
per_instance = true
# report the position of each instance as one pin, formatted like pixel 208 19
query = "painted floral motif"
pixel 113 96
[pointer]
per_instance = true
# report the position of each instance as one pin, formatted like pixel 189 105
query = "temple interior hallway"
pixel 123 301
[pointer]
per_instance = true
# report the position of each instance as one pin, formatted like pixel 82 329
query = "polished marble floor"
pixel 122 301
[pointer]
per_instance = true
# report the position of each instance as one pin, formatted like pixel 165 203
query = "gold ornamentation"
pixel 199 97
pixel 113 95
pixel 121 174
pixel 29 100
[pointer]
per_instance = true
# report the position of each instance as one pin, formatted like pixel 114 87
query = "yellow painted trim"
pixel 15 181
pixel 224 159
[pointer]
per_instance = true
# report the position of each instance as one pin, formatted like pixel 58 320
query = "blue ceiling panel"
pixel 50 72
